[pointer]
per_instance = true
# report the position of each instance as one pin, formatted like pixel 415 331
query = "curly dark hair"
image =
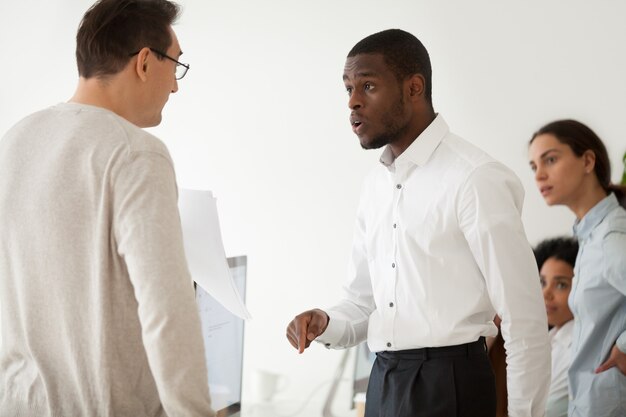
pixel 562 248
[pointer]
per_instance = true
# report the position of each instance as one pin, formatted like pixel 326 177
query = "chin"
pixel 551 201
pixel 152 123
pixel 558 321
pixel 375 143
pixel 548 202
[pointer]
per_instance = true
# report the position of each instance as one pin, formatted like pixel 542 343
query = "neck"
pixel 110 94
pixel 415 128
pixel 587 199
pixel 562 324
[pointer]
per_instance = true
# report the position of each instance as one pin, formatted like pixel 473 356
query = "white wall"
pixel 261 119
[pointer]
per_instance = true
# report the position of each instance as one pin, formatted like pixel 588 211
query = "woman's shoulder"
pixel 614 222
pixel 614 245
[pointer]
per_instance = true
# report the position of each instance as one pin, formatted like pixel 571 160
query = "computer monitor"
pixel 223 343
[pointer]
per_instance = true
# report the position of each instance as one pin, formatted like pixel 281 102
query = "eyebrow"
pixel 363 74
pixel 543 155
pixel 547 152
pixel 563 277
pixel 558 278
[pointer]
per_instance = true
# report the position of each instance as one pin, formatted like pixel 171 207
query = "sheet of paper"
pixel 205 251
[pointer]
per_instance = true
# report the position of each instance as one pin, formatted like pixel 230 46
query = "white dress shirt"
pixel 439 249
pixel 561 341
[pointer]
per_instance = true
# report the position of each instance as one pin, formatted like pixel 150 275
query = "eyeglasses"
pixel 181 69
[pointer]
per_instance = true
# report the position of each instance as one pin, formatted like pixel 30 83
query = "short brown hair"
pixel 111 30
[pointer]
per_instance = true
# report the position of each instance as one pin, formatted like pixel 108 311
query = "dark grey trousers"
pixel 450 381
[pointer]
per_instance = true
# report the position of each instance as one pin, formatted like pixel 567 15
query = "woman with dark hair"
pixel 556 259
pixel 572 168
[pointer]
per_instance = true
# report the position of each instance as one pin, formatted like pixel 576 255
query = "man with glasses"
pixel 181 69
pixel 97 305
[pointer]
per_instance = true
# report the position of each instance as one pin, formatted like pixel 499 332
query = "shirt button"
pixel 398 186
pixel 394 225
pixel 390 304
pixel 393 265
pixel 388 344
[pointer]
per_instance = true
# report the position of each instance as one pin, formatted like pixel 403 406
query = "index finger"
pixel 302 326
pixel 605 366
pixel 291 334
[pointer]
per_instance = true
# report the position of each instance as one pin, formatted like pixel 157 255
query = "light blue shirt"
pixel 598 301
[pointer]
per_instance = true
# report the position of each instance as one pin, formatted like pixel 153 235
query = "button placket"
pixel 391 287
pixel 396 204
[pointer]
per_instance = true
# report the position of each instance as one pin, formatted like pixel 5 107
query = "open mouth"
pixel 355 122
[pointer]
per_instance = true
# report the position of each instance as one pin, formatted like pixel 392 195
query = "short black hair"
pixel 562 248
pixel 402 51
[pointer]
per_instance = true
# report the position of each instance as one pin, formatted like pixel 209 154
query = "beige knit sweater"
pixel 97 308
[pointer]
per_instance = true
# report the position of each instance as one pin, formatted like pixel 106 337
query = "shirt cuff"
pixel 621 342
pixel 333 333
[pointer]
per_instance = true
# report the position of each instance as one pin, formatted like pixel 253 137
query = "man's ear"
pixel 141 66
pixel 417 85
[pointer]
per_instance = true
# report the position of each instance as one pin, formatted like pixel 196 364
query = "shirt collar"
pixel 420 151
pixel 583 227
pixel 563 334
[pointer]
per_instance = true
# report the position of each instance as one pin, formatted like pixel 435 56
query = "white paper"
pixel 205 251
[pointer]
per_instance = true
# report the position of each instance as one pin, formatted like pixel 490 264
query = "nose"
pixel 540 173
pixel 354 102
pixel 175 87
pixel 547 293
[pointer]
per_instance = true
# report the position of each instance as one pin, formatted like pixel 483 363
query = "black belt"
pixel 478 347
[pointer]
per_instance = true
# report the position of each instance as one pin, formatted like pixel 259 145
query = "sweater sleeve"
pixel 148 233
